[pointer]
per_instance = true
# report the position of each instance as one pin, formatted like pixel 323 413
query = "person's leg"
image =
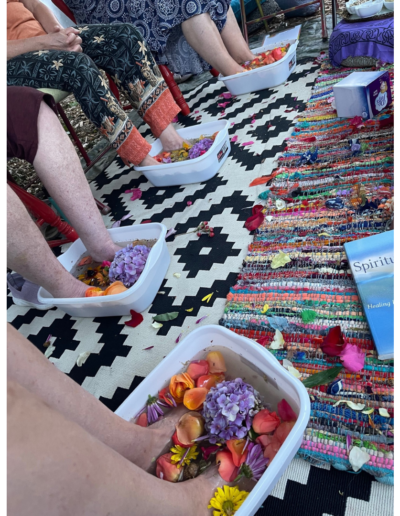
pixel 77 73
pixel 27 366
pixel 120 50
pixel 58 166
pixel 202 34
pixel 234 41
pixel 29 255
pixel 55 467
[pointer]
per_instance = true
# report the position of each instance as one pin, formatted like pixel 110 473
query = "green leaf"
pixel 323 377
pixel 170 316
pixel 308 316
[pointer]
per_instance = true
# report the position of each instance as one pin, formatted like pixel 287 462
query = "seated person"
pixel 187 36
pixel 35 134
pixel 69 454
pixel 43 55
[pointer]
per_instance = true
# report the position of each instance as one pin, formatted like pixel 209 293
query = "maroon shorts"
pixel 23 104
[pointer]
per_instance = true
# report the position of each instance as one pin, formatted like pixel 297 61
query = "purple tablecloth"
pixel 365 38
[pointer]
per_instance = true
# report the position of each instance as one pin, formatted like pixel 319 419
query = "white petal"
pixel 287 363
pixel 49 351
pixel 156 325
pixel 278 341
pixel 177 275
pixel 383 412
pixel 358 458
pixel 356 406
pixel 82 358
pixel 269 218
pixel 368 411
pixel 294 372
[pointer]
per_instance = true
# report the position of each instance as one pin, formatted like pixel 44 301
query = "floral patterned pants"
pixel 119 50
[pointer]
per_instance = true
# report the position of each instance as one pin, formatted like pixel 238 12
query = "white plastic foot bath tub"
pixel 195 170
pixel 246 359
pixel 138 297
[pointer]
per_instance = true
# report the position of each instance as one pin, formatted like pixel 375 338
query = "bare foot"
pixel 74 288
pixel 160 437
pixel 148 162
pixel 106 252
pixel 170 139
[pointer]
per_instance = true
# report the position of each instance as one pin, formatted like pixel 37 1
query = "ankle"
pixel 170 139
pixel 105 253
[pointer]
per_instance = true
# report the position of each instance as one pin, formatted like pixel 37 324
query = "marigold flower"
pixel 179 384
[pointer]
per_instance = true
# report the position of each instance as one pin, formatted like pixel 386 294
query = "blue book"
pixel 372 264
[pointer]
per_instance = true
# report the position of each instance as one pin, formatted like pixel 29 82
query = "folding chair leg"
pixel 323 21
pixel 41 211
pixel 174 88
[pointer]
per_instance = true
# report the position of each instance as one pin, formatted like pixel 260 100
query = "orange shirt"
pixel 21 24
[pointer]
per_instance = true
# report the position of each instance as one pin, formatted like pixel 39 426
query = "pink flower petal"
pixel 197 111
pixel 247 143
pixel 136 193
pixel 234 138
pixel 224 104
pixel 170 232
pixel 201 319
pixel 232 123
pixel 175 119
pixel 189 203
pixel 178 338
pixel 150 347
pixel 116 224
pixel 353 358
pixel 226 95
pixel 286 412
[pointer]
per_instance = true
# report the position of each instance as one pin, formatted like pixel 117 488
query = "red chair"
pixel 44 214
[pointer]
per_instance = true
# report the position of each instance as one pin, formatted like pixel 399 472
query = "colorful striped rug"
pixel 333 184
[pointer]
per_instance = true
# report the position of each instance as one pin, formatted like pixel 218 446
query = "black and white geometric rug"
pixel 118 361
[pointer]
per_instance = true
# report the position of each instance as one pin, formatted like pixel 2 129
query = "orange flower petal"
pixel 216 362
pixel 194 398
pixel 115 288
pixel 178 384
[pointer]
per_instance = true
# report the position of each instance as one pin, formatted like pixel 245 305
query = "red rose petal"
pixel 333 343
pixel 135 320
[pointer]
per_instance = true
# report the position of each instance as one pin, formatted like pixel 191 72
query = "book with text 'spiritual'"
pixel 372 263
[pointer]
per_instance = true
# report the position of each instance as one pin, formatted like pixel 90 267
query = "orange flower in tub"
pixel 94 292
pixel 193 399
pixel 115 288
pixel 179 384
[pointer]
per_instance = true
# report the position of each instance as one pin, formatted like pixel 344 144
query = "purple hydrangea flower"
pixel 128 264
pixel 228 410
pixel 202 145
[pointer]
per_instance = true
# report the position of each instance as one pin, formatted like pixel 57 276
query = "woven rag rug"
pixel 333 184
pixel 118 360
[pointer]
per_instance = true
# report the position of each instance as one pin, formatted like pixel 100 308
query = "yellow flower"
pixel 183 455
pixel 227 501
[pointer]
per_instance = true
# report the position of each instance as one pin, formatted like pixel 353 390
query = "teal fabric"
pixel 249 6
